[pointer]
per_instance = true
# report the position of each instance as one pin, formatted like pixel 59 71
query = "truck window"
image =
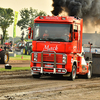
pixel 52 32
pixel 75 28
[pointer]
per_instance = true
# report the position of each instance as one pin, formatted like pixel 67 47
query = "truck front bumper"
pixel 43 70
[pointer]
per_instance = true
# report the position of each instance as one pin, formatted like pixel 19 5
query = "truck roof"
pixel 59 19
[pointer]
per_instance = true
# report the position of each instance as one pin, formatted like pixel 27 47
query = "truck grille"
pixel 48 58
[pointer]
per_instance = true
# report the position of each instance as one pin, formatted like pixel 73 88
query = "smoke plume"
pixel 89 10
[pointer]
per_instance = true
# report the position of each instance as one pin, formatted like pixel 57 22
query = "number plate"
pixel 48 65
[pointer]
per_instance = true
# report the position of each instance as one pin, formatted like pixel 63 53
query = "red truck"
pixel 57 47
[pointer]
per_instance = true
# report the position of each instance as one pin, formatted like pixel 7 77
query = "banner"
pixel 15 22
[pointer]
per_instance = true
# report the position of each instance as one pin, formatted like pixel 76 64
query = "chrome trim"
pixel 49 63
pixel 49 52
pixel 50 68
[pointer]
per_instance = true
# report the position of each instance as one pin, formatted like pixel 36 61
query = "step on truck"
pixel 57 47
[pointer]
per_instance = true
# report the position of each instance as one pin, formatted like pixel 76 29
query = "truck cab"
pixel 57 47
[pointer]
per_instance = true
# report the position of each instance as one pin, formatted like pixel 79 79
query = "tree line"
pixel 27 19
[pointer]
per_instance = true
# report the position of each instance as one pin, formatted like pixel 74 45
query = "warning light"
pixel 41 17
pixel 63 18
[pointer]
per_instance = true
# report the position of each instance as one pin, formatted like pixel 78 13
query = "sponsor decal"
pixel 47 47
pixel 74 47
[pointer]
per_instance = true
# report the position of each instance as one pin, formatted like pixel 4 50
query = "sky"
pixel 17 5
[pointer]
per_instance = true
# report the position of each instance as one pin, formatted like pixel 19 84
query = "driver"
pixel 46 35
pixel 67 35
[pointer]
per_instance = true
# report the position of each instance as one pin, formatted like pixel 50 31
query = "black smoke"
pixel 57 4
pixel 89 10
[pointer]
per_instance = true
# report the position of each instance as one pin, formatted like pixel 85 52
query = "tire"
pixel 4 57
pixel 73 73
pixel 89 74
pixel 36 76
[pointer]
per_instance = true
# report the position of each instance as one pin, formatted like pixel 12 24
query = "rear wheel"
pixel 89 74
pixel 73 73
pixel 4 57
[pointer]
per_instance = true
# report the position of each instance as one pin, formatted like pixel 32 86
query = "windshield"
pixel 52 32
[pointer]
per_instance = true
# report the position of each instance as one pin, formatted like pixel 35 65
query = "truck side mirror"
pixel 76 35
pixel 29 34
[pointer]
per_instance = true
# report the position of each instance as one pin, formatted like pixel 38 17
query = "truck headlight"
pixel 35 56
pixel 34 68
pixel 64 71
pixel 64 59
pixel 59 70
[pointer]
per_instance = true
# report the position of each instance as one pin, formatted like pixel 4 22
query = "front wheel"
pixel 89 74
pixel 73 73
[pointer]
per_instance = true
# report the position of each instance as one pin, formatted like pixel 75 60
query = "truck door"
pixel 76 28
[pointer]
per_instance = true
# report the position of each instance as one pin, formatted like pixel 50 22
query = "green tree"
pixel 6 19
pixel 6 37
pixel 28 16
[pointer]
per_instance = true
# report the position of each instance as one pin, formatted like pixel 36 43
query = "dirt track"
pixel 17 63
pixel 20 85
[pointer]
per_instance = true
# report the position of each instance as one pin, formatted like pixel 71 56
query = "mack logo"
pixel 47 47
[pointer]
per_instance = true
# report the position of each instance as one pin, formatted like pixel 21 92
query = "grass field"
pixel 15 69
pixel 21 57
pixel 18 57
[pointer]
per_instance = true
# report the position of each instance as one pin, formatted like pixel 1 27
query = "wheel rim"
pixel 23 51
pixel 6 58
pixel 27 52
